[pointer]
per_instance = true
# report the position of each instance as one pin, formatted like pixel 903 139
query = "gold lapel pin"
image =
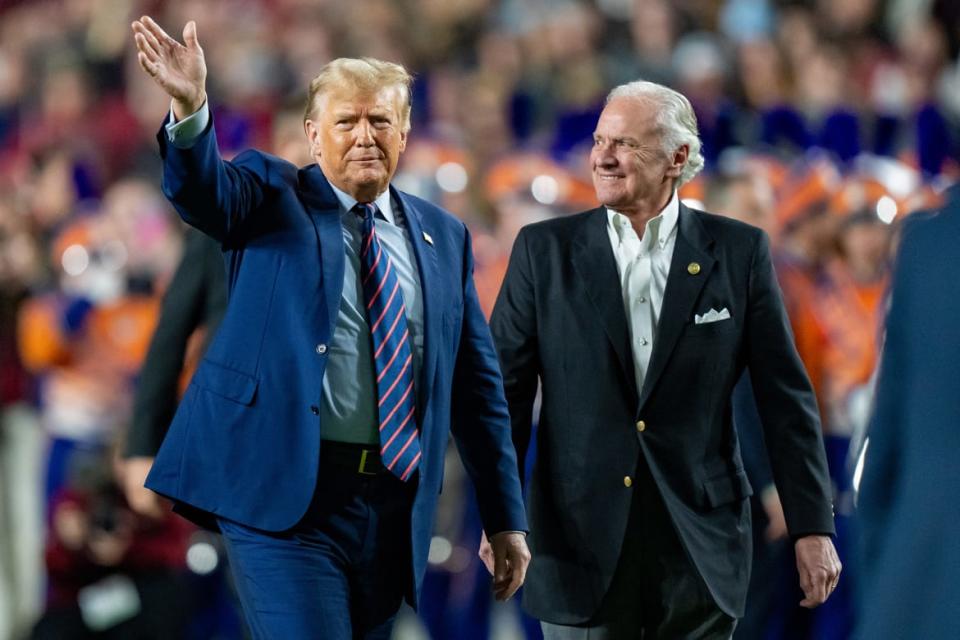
pixel 426 236
pixel 693 268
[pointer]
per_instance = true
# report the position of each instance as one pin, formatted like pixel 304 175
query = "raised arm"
pixel 209 193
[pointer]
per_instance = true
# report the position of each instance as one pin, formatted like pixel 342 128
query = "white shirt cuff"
pixel 184 133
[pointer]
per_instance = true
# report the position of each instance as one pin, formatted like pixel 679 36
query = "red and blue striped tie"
pixel 386 315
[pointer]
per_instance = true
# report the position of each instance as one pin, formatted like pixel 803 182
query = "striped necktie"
pixel 386 316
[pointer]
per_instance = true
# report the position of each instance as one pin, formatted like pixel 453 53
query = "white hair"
pixel 676 119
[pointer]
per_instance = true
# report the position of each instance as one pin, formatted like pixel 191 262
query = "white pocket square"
pixel 712 316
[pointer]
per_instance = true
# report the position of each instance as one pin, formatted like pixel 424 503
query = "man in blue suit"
pixel 313 433
pixel 908 505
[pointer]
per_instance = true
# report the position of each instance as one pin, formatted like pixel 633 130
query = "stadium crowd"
pixel 825 122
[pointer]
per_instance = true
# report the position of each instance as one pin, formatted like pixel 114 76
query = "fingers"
pixel 819 575
pixel 146 49
pixel 146 40
pixel 511 558
pixel 190 35
pixel 154 29
pixel 486 553
pixel 519 559
pixel 152 68
pixel 501 570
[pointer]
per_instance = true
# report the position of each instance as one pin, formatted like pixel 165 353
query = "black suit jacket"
pixel 560 319
pixel 196 297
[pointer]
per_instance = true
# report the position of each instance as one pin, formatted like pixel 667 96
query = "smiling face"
pixel 357 139
pixel 631 171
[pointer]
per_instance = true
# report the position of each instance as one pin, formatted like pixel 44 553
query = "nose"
pixel 364 134
pixel 603 155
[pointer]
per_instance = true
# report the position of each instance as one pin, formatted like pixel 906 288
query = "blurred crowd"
pixel 825 122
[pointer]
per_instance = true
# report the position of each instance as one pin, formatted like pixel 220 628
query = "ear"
pixel 403 140
pixel 313 133
pixel 678 161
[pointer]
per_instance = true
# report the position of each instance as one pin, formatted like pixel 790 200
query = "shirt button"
pixel 314 409
pixel 643 342
pixel 321 349
pixel 628 482
pixel 641 425
pixel 642 299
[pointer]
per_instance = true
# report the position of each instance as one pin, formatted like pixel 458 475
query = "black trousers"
pixel 656 592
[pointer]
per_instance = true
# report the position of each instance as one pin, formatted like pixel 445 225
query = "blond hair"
pixel 361 75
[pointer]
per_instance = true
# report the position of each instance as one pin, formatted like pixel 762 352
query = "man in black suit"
pixel 908 508
pixel 196 297
pixel 637 319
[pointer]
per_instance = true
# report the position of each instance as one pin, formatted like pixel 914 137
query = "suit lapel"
pixel 683 288
pixel 324 209
pixel 596 266
pixel 426 257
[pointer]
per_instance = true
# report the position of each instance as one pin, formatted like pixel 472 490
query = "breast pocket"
pixel 708 331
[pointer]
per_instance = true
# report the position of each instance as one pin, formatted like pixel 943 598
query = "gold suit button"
pixel 641 425
pixel 628 481
pixel 693 268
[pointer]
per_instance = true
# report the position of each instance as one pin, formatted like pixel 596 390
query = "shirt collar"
pixel 383 202
pixel 665 225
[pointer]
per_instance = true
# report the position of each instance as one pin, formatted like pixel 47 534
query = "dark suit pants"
pixel 656 592
pixel 341 573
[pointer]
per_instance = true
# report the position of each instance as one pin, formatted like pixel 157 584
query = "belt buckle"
pixel 363 464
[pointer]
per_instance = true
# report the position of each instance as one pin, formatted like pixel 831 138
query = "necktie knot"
pixel 367 211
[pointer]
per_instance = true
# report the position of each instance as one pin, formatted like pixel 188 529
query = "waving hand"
pixel 179 69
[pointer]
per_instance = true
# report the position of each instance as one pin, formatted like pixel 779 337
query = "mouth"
pixel 607 177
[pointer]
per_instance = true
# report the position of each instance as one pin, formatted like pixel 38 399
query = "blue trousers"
pixel 339 574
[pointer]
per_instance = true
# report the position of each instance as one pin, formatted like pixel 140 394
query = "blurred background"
pixel 825 122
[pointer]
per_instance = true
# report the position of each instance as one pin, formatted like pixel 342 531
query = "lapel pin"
pixel 426 236
pixel 693 268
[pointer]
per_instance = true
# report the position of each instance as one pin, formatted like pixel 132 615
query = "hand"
pixel 506 557
pixel 776 521
pixel 819 569
pixel 108 549
pixel 178 69
pixel 143 501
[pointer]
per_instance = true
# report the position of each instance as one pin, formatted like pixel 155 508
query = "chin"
pixel 609 199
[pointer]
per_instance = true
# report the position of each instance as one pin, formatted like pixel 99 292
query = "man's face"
pixel 357 139
pixel 631 171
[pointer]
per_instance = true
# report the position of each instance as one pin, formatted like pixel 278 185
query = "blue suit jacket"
pixel 908 507
pixel 245 441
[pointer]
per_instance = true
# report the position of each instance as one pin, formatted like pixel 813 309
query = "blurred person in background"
pixel 847 315
pixel 364 498
pixel 21 442
pixel 112 573
pixel 86 339
pixel 909 559
pixel 194 301
pixel 637 319
pixel 743 197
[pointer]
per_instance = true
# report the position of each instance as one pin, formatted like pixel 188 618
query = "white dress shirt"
pixel 643 265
